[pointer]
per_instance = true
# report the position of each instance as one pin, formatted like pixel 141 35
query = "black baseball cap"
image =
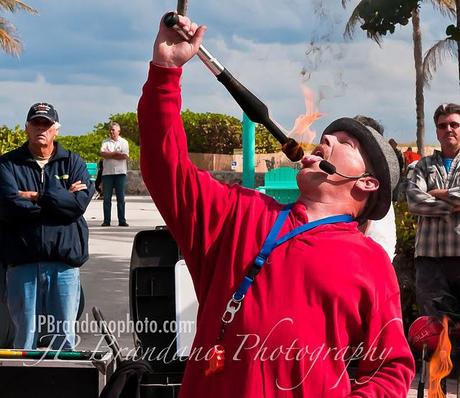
pixel 42 109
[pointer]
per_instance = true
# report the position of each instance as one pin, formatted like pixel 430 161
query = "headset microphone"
pixel 329 168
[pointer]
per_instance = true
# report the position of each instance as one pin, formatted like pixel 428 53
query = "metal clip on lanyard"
pixel 234 304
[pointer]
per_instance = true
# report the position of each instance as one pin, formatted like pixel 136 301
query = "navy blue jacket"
pixel 53 228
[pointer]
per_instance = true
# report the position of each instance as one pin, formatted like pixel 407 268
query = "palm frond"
pixel 15 5
pixel 444 7
pixel 8 41
pixel 350 27
pixel 436 55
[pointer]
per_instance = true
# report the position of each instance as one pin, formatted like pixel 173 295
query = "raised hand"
pixel 171 50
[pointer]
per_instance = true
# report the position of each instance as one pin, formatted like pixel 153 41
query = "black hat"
pixel 42 109
pixel 384 163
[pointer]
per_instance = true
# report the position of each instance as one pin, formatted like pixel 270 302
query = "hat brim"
pixel 42 116
pixel 376 151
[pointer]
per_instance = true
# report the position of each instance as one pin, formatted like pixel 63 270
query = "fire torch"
pixel 253 107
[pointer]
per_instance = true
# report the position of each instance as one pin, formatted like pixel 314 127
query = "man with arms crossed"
pixel 44 193
pixel 433 194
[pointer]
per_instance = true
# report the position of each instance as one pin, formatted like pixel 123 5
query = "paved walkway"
pixel 105 277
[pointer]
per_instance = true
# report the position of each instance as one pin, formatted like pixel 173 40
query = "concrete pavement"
pixel 105 277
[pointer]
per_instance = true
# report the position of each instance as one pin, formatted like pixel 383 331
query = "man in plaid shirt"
pixel 433 194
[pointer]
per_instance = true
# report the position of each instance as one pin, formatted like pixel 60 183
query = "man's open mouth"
pixel 318 152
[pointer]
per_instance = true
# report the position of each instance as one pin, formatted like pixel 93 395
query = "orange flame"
pixel 301 131
pixel 440 364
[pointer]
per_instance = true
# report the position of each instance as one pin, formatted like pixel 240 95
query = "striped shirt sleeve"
pixel 419 201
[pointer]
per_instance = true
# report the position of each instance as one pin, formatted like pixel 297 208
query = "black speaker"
pixel 161 385
pixel 152 298
pixel 54 378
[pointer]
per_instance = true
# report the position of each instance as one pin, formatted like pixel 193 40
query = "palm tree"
pixel 446 7
pixel 8 41
pixel 448 47
pixel 419 81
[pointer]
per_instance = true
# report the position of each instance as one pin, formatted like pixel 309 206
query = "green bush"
pixel 128 126
pixel 406 228
pixel 206 132
pixel 11 138
pixel 217 133
pixel 265 142
pixel 89 145
pixel 212 132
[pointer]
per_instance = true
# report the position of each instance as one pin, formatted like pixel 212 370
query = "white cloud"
pixel 80 107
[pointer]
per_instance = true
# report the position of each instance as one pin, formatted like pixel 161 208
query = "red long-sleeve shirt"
pixel 411 156
pixel 320 293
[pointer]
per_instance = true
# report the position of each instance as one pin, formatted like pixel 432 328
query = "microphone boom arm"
pixel 329 168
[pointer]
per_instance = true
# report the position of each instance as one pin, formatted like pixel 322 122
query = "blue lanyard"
pixel 269 245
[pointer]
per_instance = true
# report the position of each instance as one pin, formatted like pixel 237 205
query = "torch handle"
pixel 254 108
pixel 421 383
pixel 170 20
pixel 108 336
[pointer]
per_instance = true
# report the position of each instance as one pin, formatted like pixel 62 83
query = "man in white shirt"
pixel 115 152
pixel 382 231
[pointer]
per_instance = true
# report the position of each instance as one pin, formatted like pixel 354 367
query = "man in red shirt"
pixel 410 156
pixel 278 317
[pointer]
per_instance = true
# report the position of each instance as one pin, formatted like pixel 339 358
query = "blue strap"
pixel 271 243
pixel 314 224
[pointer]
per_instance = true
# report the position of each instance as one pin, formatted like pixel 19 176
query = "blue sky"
pixel 90 59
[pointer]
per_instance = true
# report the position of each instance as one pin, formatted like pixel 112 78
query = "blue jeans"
pixel 39 289
pixel 109 182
